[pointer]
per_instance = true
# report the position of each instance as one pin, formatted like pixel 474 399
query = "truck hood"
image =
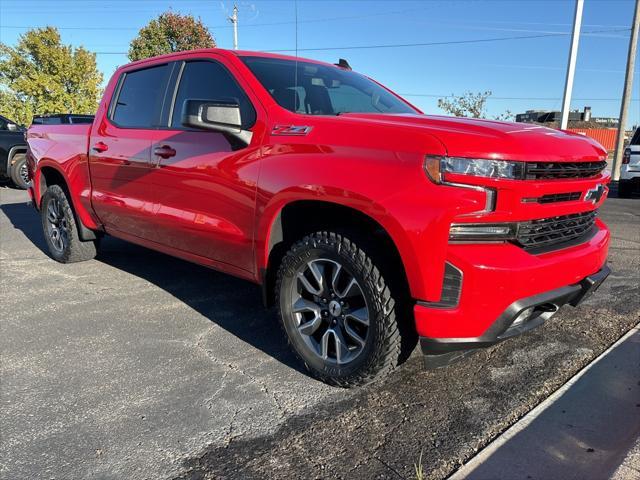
pixel 466 137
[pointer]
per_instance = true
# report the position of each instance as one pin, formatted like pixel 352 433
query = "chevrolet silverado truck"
pixel 369 225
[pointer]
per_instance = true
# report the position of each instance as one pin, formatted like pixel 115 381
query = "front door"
pixel 205 182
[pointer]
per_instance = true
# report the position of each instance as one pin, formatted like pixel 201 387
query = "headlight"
pixel 438 167
pixel 482 231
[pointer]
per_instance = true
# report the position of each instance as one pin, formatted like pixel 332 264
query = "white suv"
pixel 630 168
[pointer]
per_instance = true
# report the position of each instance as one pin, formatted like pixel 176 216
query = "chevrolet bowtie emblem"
pixel 595 194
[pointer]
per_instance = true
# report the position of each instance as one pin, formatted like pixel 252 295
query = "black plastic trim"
pixel 451 288
pixel 544 304
pixel 585 237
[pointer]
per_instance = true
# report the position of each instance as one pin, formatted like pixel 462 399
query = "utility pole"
pixel 626 93
pixel 234 20
pixel 571 68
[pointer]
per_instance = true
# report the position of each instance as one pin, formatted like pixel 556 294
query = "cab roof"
pixel 227 53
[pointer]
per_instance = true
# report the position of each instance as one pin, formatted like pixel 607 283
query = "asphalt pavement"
pixel 138 365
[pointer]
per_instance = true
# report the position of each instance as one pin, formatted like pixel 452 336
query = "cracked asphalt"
pixel 137 365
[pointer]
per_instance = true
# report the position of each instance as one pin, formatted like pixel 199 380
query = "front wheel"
pixel 60 229
pixel 337 310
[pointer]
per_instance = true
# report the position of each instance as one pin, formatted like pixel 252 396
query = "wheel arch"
pixel 301 217
pixel 13 151
pixel 48 175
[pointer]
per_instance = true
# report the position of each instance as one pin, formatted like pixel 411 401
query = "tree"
pixel 170 32
pixel 470 105
pixel 40 75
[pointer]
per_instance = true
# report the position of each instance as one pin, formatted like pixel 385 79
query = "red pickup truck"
pixel 369 224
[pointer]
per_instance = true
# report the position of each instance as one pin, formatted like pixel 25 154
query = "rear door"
pixel 119 151
pixel 204 181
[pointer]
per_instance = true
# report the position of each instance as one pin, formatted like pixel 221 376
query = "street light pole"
pixel 626 93
pixel 234 20
pixel 571 68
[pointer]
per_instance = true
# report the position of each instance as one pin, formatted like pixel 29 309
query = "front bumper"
pixel 520 317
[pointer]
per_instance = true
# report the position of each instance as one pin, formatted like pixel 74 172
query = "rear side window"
pixel 208 80
pixel 140 98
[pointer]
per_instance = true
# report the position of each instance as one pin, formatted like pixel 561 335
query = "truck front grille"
pixel 547 232
pixel 555 170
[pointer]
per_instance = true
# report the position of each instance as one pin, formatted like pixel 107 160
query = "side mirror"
pixel 216 115
pixel 12 127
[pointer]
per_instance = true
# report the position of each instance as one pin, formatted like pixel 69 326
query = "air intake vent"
pixel 553 231
pixel 451 288
pixel 554 198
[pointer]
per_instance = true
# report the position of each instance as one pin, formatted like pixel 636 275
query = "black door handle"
pixel 165 151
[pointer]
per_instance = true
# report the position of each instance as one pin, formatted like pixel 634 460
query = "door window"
pixel 208 80
pixel 140 98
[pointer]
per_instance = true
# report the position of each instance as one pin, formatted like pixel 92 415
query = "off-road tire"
pixel 73 248
pixel 18 164
pixel 382 352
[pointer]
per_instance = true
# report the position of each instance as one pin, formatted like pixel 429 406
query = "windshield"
pixel 315 89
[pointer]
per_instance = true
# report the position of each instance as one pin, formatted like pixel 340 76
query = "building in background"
pixel 584 116
pixel 601 129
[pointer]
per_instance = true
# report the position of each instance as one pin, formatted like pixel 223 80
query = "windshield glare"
pixel 315 89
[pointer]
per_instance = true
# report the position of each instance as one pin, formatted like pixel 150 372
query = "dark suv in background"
pixel 13 148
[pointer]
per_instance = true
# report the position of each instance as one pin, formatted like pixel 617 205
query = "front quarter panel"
pixel 360 171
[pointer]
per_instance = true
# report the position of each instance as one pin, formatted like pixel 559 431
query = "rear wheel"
pixel 60 229
pixel 337 310
pixel 19 173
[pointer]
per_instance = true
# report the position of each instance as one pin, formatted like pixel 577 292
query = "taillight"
pixel 626 157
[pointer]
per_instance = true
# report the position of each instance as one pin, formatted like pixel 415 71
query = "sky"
pixel 459 55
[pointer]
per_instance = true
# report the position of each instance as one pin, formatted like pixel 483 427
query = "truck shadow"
pixel 233 304
pixel 24 218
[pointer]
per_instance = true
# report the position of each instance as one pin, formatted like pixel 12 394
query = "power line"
pixel 423 44
pixel 265 24
pixel 78 28
pixel 492 97
pixel 449 42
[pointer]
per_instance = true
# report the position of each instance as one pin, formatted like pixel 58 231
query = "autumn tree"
pixel 471 105
pixel 40 75
pixel 170 32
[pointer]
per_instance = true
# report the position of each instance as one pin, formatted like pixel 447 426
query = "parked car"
pixel 13 147
pixel 61 118
pixel 630 168
pixel 367 223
